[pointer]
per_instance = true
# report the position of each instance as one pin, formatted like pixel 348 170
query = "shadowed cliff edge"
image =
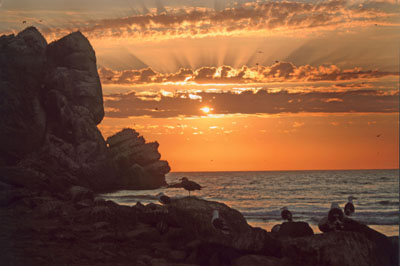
pixel 53 159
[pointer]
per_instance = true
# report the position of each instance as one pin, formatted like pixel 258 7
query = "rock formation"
pixel 138 163
pixel 50 105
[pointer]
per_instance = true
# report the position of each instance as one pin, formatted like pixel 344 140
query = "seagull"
pixel 186 184
pixel 335 217
pixel 190 185
pixel 349 207
pixel 286 214
pixel 218 222
pixel 163 198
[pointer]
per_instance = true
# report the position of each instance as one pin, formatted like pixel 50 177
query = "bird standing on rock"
pixel 186 184
pixel 349 207
pixel 286 214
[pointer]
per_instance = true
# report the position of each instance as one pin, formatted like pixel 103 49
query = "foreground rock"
pixel 50 105
pixel 40 228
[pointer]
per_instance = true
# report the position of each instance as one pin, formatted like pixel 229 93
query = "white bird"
pixel 349 207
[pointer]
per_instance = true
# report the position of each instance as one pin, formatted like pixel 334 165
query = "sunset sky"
pixel 229 85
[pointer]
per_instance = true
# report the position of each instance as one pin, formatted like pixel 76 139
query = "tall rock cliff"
pixel 50 105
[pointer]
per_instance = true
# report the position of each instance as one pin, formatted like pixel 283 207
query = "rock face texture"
pixel 50 105
pixel 137 162
pixel 23 119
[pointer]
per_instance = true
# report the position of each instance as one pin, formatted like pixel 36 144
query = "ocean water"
pixel 308 195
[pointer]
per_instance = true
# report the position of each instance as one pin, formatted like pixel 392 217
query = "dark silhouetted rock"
pixel 295 229
pixel 337 249
pixel 194 216
pixel 23 119
pixel 257 260
pixel 137 162
pixel 50 105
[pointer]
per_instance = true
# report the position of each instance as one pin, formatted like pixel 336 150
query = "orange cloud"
pixel 278 72
pixel 249 17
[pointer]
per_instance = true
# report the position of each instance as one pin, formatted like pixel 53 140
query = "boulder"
pixel 194 216
pixel 338 249
pixel 294 229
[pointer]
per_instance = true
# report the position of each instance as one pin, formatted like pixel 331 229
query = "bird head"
pixel 335 205
pixel 284 208
pixel 350 198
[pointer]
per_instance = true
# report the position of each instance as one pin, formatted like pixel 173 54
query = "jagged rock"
pixel 71 61
pixel 138 162
pixel 50 105
pixel 23 120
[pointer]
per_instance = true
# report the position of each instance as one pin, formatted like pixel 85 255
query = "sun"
pixel 206 109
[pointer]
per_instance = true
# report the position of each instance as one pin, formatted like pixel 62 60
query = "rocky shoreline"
pixel 75 228
pixel 53 161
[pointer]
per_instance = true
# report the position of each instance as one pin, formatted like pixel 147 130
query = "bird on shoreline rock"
pixel 334 221
pixel 187 185
pixel 218 223
pixel 163 198
pixel 349 207
pixel 286 214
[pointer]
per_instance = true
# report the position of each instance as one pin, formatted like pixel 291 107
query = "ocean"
pixel 307 194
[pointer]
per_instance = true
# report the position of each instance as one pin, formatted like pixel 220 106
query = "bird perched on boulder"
pixel 334 221
pixel 219 223
pixel 186 184
pixel 286 214
pixel 349 207
pixel 163 198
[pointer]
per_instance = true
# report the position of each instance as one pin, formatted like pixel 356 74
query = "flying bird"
pixel 24 22
pixel 349 207
pixel 378 135
pixel 163 198
pixel 286 214
pixel 260 52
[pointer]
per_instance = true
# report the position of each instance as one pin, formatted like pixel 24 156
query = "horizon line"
pixel 303 170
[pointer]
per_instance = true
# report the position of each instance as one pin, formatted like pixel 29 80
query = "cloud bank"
pixel 278 72
pixel 169 22
pixel 164 105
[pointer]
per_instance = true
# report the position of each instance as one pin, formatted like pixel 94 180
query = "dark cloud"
pixel 250 102
pixel 278 72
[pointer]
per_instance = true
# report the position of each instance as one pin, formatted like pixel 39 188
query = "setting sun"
pixel 206 109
